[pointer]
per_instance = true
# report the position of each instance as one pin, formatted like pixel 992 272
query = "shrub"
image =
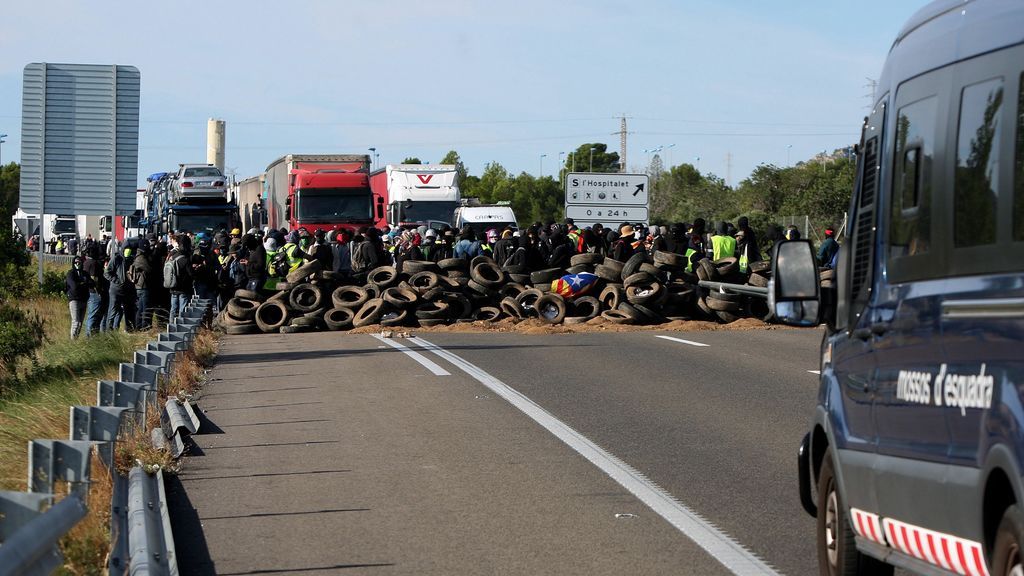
pixel 21 335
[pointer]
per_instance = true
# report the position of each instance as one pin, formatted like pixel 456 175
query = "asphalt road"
pixel 335 453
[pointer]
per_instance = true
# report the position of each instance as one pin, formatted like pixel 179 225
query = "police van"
pixel 914 457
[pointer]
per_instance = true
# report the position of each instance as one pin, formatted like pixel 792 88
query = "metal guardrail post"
pixel 131 372
pixel 150 543
pixel 33 548
pixel 52 460
pixel 136 396
pixel 162 346
pixel 17 508
pixel 97 424
pixel 179 420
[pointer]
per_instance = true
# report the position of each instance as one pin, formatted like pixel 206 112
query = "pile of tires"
pixel 642 290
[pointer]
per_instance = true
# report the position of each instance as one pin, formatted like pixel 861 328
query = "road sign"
pixel 607 215
pixel 79 139
pixel 606 189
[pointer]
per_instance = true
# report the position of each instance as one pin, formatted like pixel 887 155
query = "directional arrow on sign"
pixel 639 189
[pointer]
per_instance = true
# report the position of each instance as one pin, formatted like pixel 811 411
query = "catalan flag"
pixel 573 285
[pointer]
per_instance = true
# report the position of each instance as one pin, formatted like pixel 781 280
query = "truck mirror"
pixel 380 208
pixel 794 292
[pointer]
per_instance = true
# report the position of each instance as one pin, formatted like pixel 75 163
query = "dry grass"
pixel 87 546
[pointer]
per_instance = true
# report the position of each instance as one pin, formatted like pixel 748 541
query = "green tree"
pixel 10 183
pixel 490 182
pixel 412 160
pixel 452 157
pixel 603 161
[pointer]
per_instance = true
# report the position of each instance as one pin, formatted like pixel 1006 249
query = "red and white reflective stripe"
pixel 957 555
pixel 867 525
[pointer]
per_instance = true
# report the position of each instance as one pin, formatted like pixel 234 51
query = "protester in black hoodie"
pixel 561 249
pixel 78 284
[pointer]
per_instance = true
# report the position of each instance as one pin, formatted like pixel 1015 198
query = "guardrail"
pixel 32 524
pixel 58 258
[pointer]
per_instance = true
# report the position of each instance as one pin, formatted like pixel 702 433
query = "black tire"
pixel 512 289
pixel 349 297
pixel 271 315
pixel 757 280
pixel 631 311
pixel 451 282
pixel 760 266
pixel 318 313
pixel 302 272
pixel 517 269
pixel 339 318
pixel 488 314
pixel 369 313
pixel 478 288
pixel 401 298
pixel 384 276
pixel 617 317
pixel 608 273
pixel 572 320
pixel 527 300
pixel 487 273
pixel 669 259
pixel 650 315
pixel 453 264
pixel 551 308
pixel 614 265
pixel 523 279
pixel 394 318
pixel 306 298
pixel 285 286
pixel 249 295
pixel 707 271
pixel 611 296
pixel 727 317
pixel 412 267
pixel 238 329
pixel 834 528
pixel 459 305
pixel 227 319
pixel 639 278
pixel 586 307
pixel 652 270
pixel 279 297
pixel 586 259
pixel 645 293
pixel 717 295
pixel 428 322
pixel 291 329
pixel 304 322
pixel 432 310
pixel 580 269
pixel 242 309
pixel 727 266
pixel 479 259
pixel 632 265
pixel 511 308
pixel 702 303
pixel 546 276
pixel 1009 542
pixel 722 305
pixel 424 281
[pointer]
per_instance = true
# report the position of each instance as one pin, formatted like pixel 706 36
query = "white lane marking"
pixel 818 372
pixel 718 544
pixel 423 360
pixel 681 341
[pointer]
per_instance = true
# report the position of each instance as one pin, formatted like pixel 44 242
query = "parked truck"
pixel 320 192
pixel 418 194
pixel 164 215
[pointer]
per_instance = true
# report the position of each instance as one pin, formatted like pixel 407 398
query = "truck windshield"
pixel 428 210
pixel 326 205
pixel 64 226
pixel 201 222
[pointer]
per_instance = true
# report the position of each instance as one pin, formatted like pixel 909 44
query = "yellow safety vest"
pixel 689 263
pixel 724 246
pixel 271 282
pixel 293 261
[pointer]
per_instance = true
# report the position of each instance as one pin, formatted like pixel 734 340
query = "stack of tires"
pixel 642 290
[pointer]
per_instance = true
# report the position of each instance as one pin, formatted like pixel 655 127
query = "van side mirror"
pixel 794 293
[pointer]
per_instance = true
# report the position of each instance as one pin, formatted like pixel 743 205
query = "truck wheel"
pixel 837 553
pixel 1006 555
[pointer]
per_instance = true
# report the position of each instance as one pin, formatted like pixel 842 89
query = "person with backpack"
pixel 122 290
pixel 205 271
pixel 141 274
pixel 367 255
pixel 78 285
pixel 178 275
pixel 468 246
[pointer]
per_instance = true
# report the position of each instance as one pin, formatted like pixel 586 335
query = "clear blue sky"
pixel 496 81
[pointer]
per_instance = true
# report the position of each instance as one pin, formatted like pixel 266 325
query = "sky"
pixel 724 85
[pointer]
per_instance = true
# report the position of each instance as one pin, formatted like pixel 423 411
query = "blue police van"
pixel 914 457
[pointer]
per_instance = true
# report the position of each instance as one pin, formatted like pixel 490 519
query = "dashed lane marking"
pixel 423 360
pixel 818 372
pixel 681 341
pixel 717 543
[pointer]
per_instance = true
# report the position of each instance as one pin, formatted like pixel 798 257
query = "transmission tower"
pixel 622 143
pixel 873 85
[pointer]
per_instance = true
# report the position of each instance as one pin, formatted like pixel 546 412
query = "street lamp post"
pixel 2 136
pixel 697 158
pixel 373 157
pixel 788 148
pixel 592 158
pixel 542 156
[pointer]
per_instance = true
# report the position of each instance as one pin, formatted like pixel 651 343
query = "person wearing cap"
pixel 293 251
pixel 78 285
pixel 428 247
pixel 828 248
pixel 623 248
pixel 236 236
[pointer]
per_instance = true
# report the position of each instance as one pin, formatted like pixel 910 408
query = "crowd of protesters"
pixel 143 278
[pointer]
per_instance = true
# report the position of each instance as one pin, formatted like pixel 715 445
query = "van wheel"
pixel 1006 555
pixel 837 552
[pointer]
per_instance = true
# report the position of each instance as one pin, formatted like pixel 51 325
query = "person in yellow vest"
pixel 296 256
pixel 722 245
pixel 271 249
pixel 695 247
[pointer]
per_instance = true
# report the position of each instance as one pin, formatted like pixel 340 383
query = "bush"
pixel 54 283
pixel 21 335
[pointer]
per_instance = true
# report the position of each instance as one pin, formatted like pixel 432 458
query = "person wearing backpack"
pixel 178 275
pixel 122 291
pixel 141 273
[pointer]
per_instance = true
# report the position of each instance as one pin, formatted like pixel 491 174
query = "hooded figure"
pixel 561 250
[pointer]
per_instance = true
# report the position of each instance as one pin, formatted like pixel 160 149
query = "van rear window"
pixel 909 231
pixel 977 164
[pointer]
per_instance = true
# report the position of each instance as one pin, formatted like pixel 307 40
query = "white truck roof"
pixel 422 181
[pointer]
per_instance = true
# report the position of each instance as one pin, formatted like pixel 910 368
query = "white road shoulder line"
pixel 423 360
pixel 718 544
pixel 818 372
pixel 681 341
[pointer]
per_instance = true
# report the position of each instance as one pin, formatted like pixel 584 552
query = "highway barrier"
pixel 32 523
